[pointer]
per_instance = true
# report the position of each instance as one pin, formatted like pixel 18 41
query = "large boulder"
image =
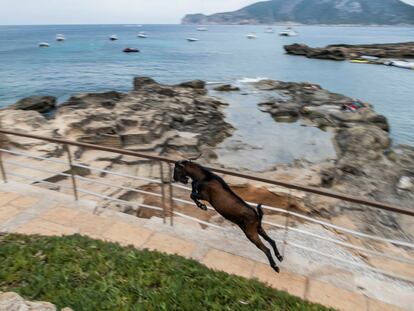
pixel 226 88
pixel 40 104
pixel 194 84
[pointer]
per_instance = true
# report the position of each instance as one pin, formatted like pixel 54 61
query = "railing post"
pixel 162 193
pixel 72 171
pixel 171 195
pixel 3 171
pixel 286 224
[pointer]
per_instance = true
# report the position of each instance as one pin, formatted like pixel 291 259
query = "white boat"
pixel 269 30
pixel 60 37
pixel 44 45
pixel 288 32
pixel 192 39
pixel 113 38
pixel 142 35
pixel 251 36
pixel 402 64
pixel 201 28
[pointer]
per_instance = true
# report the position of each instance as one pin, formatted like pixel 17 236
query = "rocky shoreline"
pixel 152 118
pixel 179 120
pixel 346 51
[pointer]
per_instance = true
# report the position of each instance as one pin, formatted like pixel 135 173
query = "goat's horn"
pixel 196 158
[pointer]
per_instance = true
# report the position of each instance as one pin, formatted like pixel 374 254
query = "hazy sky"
pixel 28 12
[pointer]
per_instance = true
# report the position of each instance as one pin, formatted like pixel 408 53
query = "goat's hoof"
pixel 280 258
pixel 276 268
pixel 203 207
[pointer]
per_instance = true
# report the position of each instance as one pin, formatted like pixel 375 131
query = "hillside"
pixel 368 12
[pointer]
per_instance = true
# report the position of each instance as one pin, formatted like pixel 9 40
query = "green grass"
pixel 86 274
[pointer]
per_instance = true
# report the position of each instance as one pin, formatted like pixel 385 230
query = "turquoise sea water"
pixel 87 61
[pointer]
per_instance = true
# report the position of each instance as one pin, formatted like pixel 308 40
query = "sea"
pixel 87 61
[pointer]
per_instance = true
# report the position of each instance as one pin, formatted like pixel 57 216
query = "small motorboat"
pixel 251 36
pixel 192 39
pixel 60 37
pixel 288 32
pixel 113 38
pixel 269 30
pixel 44 45
pixel 130 50
pixel 142 35
pixel 402 64
pixel 201 28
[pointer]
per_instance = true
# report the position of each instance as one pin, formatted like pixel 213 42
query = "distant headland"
pixel 311 12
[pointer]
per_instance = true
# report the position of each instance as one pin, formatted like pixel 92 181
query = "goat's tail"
pixel 260 212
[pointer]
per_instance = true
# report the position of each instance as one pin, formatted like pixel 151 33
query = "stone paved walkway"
pixel 30 210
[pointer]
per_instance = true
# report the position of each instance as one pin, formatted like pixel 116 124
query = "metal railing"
pixel 168 199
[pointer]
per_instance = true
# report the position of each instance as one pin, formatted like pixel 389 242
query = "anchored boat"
pixel 142 35
pixel 288 32
pixel 60 37
pixel 251 36
pixel 130 50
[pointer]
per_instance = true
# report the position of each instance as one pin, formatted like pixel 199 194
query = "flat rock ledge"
pixel 152 117
pixel 346 51
pixel 10 301
pixel 321 107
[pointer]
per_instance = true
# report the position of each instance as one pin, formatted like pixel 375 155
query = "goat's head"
pixel 180 172
pixel 181 169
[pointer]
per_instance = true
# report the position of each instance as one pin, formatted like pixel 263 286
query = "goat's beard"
pixel 184 180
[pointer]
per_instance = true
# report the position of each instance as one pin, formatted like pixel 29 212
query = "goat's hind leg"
pixel 253 236
pixel 264 235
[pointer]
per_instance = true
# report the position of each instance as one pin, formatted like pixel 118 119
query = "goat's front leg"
pixel 196 196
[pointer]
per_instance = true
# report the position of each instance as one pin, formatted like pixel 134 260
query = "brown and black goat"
pixel 207 186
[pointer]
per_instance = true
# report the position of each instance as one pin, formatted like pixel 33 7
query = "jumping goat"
pixel 207 186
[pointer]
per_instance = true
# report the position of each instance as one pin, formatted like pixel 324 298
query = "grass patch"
pixel 86 274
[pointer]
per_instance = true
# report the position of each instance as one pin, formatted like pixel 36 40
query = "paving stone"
pixel 171 245
pixel 375 305
pixel 43 227
pixel 331 296
pixel 7 213
pixel 61 215
pixel 91 225
pixel 229 263
pixel 25 201
pixel 127 234
pixel 292 283
pixel 6 197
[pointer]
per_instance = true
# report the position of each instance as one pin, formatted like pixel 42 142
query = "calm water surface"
pixel 87 61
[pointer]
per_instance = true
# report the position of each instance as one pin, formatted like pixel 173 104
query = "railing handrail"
pixel 318 191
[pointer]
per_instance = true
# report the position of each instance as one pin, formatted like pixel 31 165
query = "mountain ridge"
pixel 329 12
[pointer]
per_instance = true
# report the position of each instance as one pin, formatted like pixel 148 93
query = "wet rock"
pixel 360 140
pixel 405 183
pixel 226 88
pixel 194 84
pixel 41 104
pixel 346 51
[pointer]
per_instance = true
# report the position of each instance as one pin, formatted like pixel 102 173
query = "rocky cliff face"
pixel 383 12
